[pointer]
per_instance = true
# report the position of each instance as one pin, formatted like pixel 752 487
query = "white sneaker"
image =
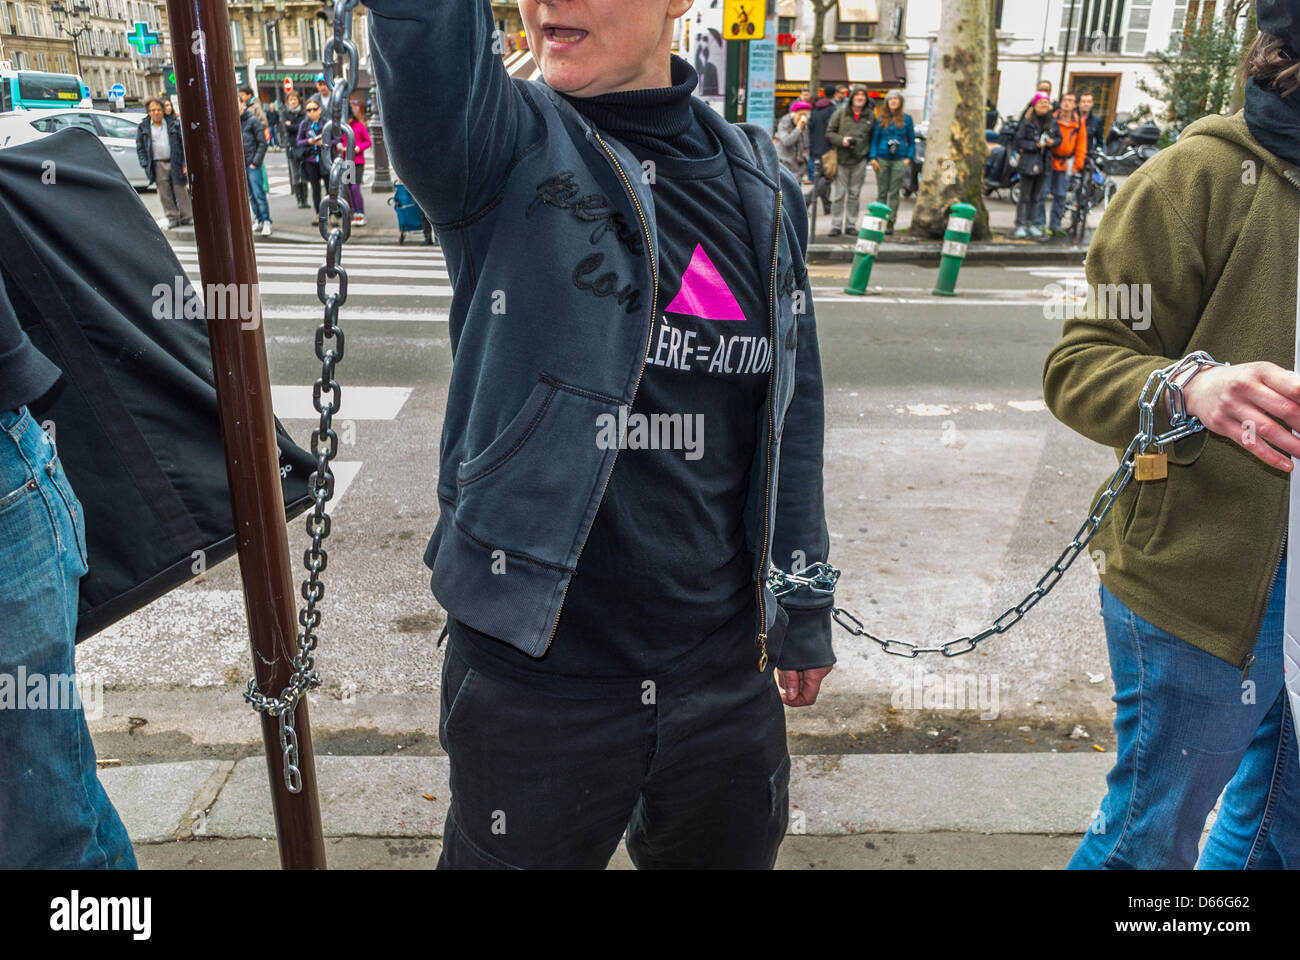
pixel 256 227
pixel 358 219
pixel 266 229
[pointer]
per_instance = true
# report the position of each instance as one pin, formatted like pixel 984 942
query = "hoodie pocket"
pixel 530 489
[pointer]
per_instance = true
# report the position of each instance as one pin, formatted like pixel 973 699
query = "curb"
pixel 981 252
pixel 830 795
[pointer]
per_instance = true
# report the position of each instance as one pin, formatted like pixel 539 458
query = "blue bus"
pixel 33 90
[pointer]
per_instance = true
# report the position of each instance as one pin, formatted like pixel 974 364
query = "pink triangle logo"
pixel 704 293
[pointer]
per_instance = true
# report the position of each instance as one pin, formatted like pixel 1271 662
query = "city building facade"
pixel 1105 46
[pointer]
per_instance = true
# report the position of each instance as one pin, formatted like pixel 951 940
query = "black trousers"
pixel 311 173
pixel 1031 190
pixel 692 765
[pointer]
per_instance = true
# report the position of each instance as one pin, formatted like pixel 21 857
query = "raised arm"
pixel 453 119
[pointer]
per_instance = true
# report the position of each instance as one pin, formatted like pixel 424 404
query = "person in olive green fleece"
pixel 1203 239
pixel 849 134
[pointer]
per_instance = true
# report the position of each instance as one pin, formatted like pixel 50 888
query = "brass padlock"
pixel 1151 466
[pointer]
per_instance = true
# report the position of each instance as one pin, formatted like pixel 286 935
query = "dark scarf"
pixel 1274 121
pixel 659 119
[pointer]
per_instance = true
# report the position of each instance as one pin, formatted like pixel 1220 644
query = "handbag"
pixel 831 163
pixel 135 416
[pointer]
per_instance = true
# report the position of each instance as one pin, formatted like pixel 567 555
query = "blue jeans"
pixel 1188 726
pixel 53 811
pixel 257 196
pixel 1058 185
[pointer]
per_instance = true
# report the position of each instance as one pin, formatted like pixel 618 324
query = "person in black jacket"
pixel 1035 138
pixel 822 112
pixel 160 151
pixel 254 141
pixel 1095 122
pixel 54 813
pixel 291 119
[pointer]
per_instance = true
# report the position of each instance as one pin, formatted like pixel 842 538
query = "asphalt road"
pixel 949 491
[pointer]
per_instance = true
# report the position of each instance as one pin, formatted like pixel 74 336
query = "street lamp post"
pixel 81 11
pixel 383 180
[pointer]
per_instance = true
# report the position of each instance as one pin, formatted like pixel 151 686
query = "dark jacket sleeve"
pixel 833 135
pixel 453 134
pixel 259 151
pixel 143 149
pixel 800 530
pixel 177 143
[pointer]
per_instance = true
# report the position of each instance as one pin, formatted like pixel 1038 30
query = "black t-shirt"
pixel 666 569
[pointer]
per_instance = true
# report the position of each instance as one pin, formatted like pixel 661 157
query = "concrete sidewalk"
pixel 869 810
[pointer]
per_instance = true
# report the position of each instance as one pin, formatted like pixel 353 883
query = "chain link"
pixel 821 577
pixel 335 227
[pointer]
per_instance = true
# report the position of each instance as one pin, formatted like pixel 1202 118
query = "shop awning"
pixel 869 69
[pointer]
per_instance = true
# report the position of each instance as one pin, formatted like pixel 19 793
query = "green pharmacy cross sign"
pixel 143 38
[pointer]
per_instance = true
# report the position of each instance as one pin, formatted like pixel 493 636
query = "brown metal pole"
pixel 205 74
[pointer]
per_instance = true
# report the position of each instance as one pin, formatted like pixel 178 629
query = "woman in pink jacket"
pixel 362 137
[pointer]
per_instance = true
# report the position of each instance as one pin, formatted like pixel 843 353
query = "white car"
pixel 116 131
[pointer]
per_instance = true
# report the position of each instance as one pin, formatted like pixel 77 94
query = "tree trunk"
pixel 955 150
pixel 1250 31
pixel 820 9
pixel 993 48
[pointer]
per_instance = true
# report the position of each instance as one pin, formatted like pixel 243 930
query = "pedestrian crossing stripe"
pixel 293 402
pixel 289 270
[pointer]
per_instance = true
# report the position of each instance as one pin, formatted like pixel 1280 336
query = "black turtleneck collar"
pixel 657 120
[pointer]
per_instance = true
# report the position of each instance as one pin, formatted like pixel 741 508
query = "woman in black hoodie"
pixel 291 119
pixel 1035 138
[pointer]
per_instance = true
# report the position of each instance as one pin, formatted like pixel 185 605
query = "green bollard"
pixel 870 234
pixel 955 238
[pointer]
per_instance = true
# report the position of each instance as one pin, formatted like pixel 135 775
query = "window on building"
pixel 271 42
pixel 785 24
pixel 40 61
pixel 856 20
pixel 237 40
pixel 1095 27
pixel 36 16
pixel 313 42
pixel 63 63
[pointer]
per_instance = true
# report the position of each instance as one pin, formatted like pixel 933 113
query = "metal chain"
pixel 821 577
pixel 340 52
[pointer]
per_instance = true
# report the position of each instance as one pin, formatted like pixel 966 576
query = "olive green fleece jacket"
pixel 1211 224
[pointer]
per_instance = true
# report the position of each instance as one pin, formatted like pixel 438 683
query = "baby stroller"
pixel 409 215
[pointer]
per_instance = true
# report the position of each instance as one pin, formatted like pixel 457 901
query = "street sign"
pixel 116 92
pixel 761 82
pixel 142 38
pixel 744 19
pixel 288 85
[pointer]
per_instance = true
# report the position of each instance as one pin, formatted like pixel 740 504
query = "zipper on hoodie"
pixel 771 426
pixel 654 310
